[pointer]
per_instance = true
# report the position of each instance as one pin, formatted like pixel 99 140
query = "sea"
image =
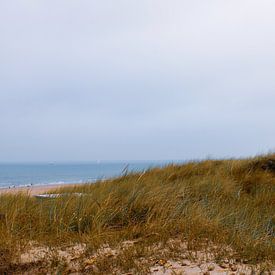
pixel 31 174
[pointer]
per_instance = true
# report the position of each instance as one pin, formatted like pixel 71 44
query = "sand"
pixel 77 261
pixel 33 190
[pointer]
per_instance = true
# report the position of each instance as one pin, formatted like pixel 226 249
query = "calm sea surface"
pixel 45 174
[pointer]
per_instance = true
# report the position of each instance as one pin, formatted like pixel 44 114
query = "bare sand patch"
pixel 76 260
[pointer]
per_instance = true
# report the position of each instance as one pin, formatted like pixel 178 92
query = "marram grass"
pixel 226 202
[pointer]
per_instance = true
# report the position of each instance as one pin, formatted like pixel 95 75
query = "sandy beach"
pixel 33 190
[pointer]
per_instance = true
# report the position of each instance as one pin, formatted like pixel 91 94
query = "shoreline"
pixel 34 189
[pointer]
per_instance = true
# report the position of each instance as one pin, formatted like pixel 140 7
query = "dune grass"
pixel 223 202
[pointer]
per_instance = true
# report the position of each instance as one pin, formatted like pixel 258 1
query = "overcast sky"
pixel 136 80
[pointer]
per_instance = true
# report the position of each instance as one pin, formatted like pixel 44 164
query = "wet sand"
pixel 33 190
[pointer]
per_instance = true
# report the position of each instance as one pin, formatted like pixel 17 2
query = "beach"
pixel 33 190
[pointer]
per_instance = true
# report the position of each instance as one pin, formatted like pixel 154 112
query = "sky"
pixel 88 80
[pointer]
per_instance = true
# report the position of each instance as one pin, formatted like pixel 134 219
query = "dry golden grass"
pixel 222 202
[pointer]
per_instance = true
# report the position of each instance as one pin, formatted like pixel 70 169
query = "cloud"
pixel 84 80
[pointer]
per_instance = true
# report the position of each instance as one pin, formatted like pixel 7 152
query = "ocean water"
pixel 15 175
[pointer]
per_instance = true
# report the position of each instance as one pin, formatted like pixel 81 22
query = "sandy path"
pixel 33 190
